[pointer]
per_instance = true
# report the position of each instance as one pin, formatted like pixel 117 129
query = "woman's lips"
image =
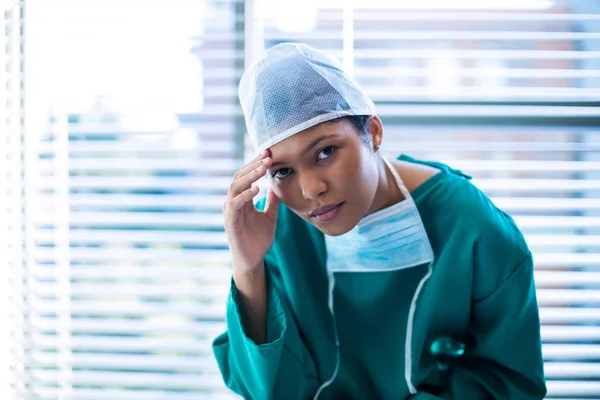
pixel 327 213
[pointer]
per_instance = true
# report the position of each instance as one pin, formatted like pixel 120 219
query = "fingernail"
pixel 266 160
pixel 260 169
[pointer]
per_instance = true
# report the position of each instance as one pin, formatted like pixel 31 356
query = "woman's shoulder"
pixel 454 210
pixel 414 175
pixel 437 188
pixel 448 194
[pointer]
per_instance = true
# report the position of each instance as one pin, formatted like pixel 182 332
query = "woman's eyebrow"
pixel 317 141
pixel 308 148
pixel 276 164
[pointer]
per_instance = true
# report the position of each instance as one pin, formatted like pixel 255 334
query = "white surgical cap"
pixel 294 87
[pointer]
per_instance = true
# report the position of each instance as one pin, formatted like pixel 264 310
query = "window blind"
pixel 510 94
pixel 121 285
pixel 138 131
pixel 13 198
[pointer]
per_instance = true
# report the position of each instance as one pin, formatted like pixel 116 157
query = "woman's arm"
pixel 279 368
pixel 252 296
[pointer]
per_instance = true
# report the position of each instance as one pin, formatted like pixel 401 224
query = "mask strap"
pixel 399 182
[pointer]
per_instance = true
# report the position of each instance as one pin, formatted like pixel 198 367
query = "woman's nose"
pixel 312 185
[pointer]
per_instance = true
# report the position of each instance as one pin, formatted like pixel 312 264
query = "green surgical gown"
pixel 481 293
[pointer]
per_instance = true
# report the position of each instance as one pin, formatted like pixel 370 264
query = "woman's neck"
pixel 387 192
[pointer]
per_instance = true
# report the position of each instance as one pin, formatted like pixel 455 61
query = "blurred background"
pixel 120 130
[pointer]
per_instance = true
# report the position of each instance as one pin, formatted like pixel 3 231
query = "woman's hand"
pixel 250 232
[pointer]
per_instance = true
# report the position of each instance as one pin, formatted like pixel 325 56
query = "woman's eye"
pixel 325 153
pixel 282 173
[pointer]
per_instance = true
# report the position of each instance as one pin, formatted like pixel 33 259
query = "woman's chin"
pixel 336 228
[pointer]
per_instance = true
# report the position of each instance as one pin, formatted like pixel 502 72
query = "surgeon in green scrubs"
pixel 359 277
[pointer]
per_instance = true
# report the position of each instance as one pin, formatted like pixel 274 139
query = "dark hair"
pixel 361 125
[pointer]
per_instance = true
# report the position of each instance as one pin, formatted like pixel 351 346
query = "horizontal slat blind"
pixel 13 199
pixel 131 269
pixel 548 53
pixel 510 97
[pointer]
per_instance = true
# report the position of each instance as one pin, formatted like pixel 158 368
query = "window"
pixel 133 131
pixel 13 168
pixel 123 129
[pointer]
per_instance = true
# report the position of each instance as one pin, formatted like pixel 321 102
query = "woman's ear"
pixel 375 128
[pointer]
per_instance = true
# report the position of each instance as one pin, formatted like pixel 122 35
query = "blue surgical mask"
pixel 389 239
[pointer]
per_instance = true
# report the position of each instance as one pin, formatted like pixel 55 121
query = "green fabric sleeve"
pixel 280 368
pixel 425 396
pixel 506 361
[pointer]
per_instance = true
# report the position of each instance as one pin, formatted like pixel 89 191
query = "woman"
pixel 374 279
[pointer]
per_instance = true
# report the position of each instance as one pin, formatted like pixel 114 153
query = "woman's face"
pixel 327 175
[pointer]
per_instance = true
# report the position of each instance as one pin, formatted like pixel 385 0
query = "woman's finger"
pixel 256 161
pixel 241 184
pixel 272 206
pixel 252 165
pixel 238 202
pixel 262 154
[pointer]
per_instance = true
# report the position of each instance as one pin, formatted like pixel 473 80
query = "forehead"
pixel 298 142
